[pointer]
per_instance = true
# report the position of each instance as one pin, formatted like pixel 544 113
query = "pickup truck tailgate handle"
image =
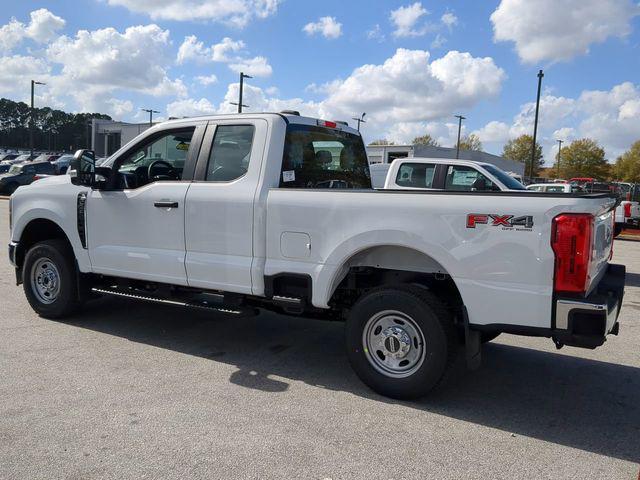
pixel 166 204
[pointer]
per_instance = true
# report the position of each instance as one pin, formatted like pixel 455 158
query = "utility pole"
pixel 31 115
pixel 460 119
pixel 560 142
pixel 240 104
pixel 150 111
pixel 360 120
pixel 535 125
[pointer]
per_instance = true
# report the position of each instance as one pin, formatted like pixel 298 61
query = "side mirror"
pixel 84 166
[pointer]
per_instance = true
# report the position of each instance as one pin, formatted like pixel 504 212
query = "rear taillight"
pixel 571 237
pixel 627 210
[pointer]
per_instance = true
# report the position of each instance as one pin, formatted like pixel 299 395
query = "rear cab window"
pixel 318 157
pixel 416 175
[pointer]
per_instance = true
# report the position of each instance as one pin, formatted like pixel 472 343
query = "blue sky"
pixel 410 65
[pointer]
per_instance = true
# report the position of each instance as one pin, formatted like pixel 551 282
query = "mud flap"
pixel 472 344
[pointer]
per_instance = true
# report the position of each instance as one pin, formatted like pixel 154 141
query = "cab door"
pixel 135 226
pixel 220 214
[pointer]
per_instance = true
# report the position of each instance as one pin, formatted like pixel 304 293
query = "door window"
pixel 160 158
pixel 416 175
pixel 230 153
pixel 467 179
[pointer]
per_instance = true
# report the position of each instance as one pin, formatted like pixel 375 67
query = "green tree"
pixel 627 167
pixel 382 141
pixel 470 142
pixel 427 140
pixel 583 158
pixel 519 150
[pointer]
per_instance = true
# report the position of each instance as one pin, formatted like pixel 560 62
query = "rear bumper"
pixel 585 322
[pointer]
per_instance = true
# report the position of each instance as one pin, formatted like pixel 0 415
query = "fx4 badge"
pixel 507 222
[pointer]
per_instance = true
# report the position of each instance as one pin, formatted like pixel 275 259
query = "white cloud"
pixel 16 71
pixel 236 13
pixel 256 67
pixel 43 27
pixel 573 26
pixel 376 34
pixel 609 117
pixel 206 80
pixel 193 50
pixel 494 132
pixel 119 108
pixel 449 20
pixel 328 27
pixel 94 64
pixel 405 19
pixel 220 51
pixel 438 42
pixel 190 107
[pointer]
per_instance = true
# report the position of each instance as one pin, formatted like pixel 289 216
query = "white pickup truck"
pixel 276 211
pixel 419 173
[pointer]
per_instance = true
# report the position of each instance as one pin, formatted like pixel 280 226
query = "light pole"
pixel 150 111
pixel 31 115
pixel 560 142
pixel 240 104
pixel 535 125
pixel 360 120
pixel 460 119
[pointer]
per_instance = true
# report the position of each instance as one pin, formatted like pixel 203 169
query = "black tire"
pixel 12 187
pixel 66 300
pixel 434 322
pixel 617 230
pixel 486 337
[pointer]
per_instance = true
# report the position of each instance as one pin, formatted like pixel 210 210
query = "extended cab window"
pixel 230 153
pixel 159 158
pixel 416 175
pixel 316 157
pixel 461 178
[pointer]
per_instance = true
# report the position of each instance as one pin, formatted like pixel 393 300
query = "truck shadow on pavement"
pixel 571 401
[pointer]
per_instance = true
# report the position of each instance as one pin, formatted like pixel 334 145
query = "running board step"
pixel 175 302
pixel 289 304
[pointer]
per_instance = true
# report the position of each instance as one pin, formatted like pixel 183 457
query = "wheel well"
pixel 393 264
pixel 37 231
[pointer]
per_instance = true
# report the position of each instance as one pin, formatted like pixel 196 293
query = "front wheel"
pixel 400 341
pixel 49 279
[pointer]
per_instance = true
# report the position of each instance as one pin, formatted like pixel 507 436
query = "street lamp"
pixel 535 125
pixel 360 120
pixel 31 115
pixel 460 119
pixel 239 103
pixel 560 142
pixel 150 112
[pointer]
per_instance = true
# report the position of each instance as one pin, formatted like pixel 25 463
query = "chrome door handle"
pixel 166 204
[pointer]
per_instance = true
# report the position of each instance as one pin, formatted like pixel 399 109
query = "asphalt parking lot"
pixel 132 390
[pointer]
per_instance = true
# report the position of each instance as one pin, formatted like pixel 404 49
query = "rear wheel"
pixel 400 341
pixel 49 279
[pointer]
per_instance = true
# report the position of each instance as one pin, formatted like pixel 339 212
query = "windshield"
pixel 316 157
pixel 15 169
pixel 507 180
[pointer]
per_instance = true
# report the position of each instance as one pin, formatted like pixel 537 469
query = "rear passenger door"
pixel 220 213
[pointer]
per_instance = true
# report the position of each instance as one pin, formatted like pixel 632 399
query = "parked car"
pixel 225 213
pixel 449 175
pixel 8 156
pixel 555 187
pixel 23 174
pixel 46 157
pixel 61 164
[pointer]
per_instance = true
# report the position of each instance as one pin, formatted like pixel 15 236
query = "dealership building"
pixel 108 136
